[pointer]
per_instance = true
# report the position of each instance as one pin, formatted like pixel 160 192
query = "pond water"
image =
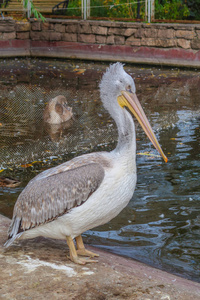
pixel 161 224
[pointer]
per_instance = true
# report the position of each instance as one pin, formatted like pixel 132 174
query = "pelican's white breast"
pixel 103 205
pixel 107 201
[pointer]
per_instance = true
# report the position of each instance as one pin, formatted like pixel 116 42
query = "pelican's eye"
pixel 128 88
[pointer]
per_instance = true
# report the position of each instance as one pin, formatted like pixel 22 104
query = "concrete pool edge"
pixel 39 267
pixel 69 50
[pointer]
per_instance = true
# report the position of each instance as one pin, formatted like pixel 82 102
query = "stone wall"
pixel 133 42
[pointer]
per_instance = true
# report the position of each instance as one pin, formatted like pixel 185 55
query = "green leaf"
pixel 34 11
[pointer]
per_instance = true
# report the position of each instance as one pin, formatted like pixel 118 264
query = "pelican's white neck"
pixel 126 134
pixel 113 82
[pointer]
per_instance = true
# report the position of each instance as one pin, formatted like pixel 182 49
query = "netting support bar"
pixel 85 9
pixel 149 11
pixel 28 8
pixel 152 10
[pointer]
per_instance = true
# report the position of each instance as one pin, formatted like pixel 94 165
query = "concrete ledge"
pixel 39 269
pixel 73 50
pixel 14 48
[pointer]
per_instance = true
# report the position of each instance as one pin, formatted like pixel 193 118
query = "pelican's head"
pixel 117 89
pixel 57 111
pixel 115 80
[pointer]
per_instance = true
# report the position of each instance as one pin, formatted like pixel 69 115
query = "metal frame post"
pixel 146 13
pixel 82 5
pixel 149 11
pixel 29 9
pixel 88 9
pixel 85 9
pixel 152 10
pixel 138 9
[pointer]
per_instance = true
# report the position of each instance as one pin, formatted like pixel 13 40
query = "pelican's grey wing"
pixel 85 159
pixel 45 200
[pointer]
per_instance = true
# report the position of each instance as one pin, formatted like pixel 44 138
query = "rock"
pixel 8 36
pixel 40 36
pixel 23 26
pixel 84 28
pixel 165 43
pixel 133 41
pixel 7 25
pixel 195 44
pixel 166 33
pixel 47 26
pixel 185 34
pixel 110 40
pixel 59 28
pixel 185 44
pixel 198 34
pixel 55 36
pixel 40 269
pixel 149 32
pixel 99 30
pixel 139 33
pixel 71 28
pixel 116 31
pixel 119 40
pixel 101 39
pixel 69 37
pixel 36 26
pixel 129 31
pixel 23 35
pixel 86 38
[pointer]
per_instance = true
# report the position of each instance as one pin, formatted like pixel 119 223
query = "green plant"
pixel 98 9
pixel 171 10
pixel 194 9
pixel 119 8
pixel 106 8
pixel 34 11
pixel 164 9
pixel 74 8
pixel 115 8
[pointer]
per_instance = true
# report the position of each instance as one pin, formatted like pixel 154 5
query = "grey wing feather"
pixel 47 199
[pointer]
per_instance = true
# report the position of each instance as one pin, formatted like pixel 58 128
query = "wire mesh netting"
pixel 107 8
pixel 25 137
pixel 132 10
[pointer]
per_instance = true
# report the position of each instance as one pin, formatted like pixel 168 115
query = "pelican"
pixel 89 190
pixel 57 111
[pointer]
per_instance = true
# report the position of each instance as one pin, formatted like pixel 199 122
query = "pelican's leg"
pixel 81 248
pixel 73 253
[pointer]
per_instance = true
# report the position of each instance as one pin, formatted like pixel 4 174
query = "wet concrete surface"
pixel 40 269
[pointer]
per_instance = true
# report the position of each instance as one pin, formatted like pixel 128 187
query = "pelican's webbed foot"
pixel 81 248
pixel 81 251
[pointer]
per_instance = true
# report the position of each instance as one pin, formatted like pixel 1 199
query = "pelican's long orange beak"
pixel 131 101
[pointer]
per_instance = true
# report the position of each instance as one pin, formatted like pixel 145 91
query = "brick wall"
pixel 129 38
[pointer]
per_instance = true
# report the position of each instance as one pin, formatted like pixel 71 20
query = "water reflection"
pixel 161 225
